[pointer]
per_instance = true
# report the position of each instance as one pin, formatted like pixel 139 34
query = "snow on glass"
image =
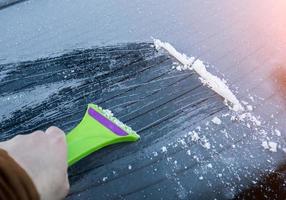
pixel 219 86
pixel 216 84
pixel 108 114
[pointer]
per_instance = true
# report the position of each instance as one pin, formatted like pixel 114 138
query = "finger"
pixel 54 130
pixel 38 132
pixel 58 137
pixel 36 135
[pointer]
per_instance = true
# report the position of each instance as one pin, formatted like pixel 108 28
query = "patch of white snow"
pixel 216 120
pixel 278 133
pixel 271 146
pixel 194 136
pixel 164 149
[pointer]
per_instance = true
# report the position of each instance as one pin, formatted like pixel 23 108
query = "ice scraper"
pixel 97 129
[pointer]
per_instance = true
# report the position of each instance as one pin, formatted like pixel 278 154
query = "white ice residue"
pixel 265 145
pixel 216 120
pixel 249 107
pixel 212 81
pixel 182 58
pixel 271 146
pixel 251 117
pixel 155 153
pixel 12 102
pixel 209 165
pixel 202 140
pixel 108 113
pixel 164 149
pixel 206 145
pixel 277 132
pixel 194 136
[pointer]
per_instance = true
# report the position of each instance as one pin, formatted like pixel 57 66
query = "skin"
pixel 43 155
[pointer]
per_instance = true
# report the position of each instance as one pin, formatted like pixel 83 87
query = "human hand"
pixel 43 155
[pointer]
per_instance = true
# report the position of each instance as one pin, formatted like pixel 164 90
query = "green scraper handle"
pixel 96 130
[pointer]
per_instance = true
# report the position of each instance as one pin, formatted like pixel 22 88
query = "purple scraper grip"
pixel 106 122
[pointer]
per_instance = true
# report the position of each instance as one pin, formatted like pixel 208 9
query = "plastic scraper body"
pixel 97 129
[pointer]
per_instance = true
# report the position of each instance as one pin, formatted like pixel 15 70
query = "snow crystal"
pixel 104 178
pixel 129 167
pixel 265 145
pixel 201 178
pixel 206 145
pixel 251 98
pixel 216 120
pixel 194 136
pixel 225 115
pixel 179 68
pixel 249 107
pixel 209 165
pixel 250 117
pixel 196 158
pixel 108 114
pixel 164 149
pixel 182 141
pixel 155 154
pixel 212 81
pixel 255 121
pixel 278 133
pixel 244 102
pixel 271 146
